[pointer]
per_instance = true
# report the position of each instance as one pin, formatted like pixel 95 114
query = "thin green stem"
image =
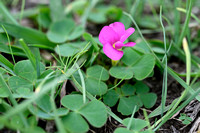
pixel 188 60
pixel 187 19
pixel 11 52
pixel 164 88
pixel 176 20
pixel 22 10
pixel 130 121
pixel 83 83
pixel 59 123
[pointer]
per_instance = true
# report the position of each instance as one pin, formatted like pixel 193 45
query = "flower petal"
pixel 111 52
pixel 129 44
pixel 118 27
pixel 119 45
pixel 127 33
pixel 108 35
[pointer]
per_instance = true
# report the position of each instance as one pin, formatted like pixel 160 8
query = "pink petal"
pixel 108 35
pixel 129 44
pixel 127 33
pixel 119 45
pixel 111 52
pixel 118 27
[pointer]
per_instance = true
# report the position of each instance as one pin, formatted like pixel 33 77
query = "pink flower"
pixel 112 38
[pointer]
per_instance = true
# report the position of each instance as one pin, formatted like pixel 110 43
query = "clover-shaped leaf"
pixel 94 112
pixel 127 104
pixel 16 82
pixel 95 87
pixel 59 30
pixel 130 96
pixel 97 72
pixel 130 56
pixel 74 122
pixel 73 102
pixel 122 130
pixel 144 66
pixel 70 49
pixel 44 110
pixel 136 124
pixel 94 80
pixel 26 70
pixel 111 98
pixel 148 99
pixel 121 72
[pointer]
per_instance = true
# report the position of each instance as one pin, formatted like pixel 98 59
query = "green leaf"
pixel 73 101
pixel 128 89
pixel 59 30
pixel 77 32
pixel 44 103
pixel 144 66
pixel 122 130
pixel 34 129
pixel 23 93
pixel 15 50
pixel 88 37
pixel 30 36
pixel 95 112
pixel 16 82
pixel 43 17
pixel 6 62
pixel 121 72
pixel 98 72
pixel 70 49
pixel 3 91
pixel 7 15
pixel 28 52
pixel 130 56
pixel 75 123
pixel 111 98
pixel 141 87
pixel 186 122
pixel 148 99
pixel 95 87
pixel 98 16
pixel 47 115
pixel 136 124
pixel 148 22
pixel 127 104
pixel 57 10
pixel 26 70
pixel 17 121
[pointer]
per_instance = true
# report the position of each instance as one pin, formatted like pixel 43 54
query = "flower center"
pixel 116 48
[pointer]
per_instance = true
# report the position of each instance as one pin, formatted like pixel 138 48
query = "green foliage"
pixel 68 80
pixel 95 76
pixel 70 49
pixel 130 97
pixel 94 112
pixel 185 119
pixel 64 30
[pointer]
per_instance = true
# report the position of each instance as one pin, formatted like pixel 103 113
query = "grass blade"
pixel 9 43
pixel 6 62
pixel 28 52
pixel 31 36
pixel 7 14
pixel 187 19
